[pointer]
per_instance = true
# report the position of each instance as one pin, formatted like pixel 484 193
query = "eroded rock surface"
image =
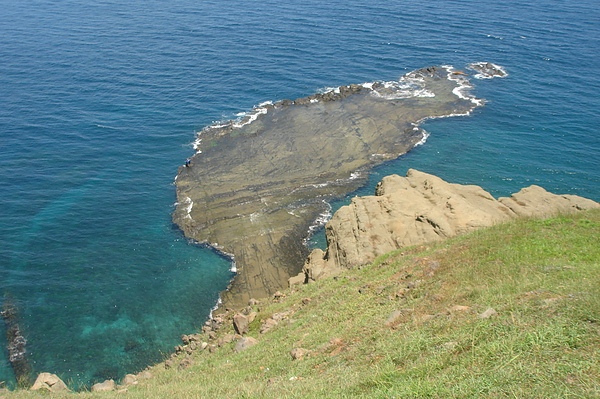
pixel 258 184
pixel 421 208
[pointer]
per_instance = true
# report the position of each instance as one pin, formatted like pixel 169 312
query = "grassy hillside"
pixel 410 325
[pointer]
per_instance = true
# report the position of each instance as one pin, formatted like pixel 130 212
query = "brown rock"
pixel 297 280
pixel 241 323
pixel 184 364
pixel 107 385
pixel 129 379
pixel 144 375
pixel 421 208
pixel 49 382
pixel 225 339
pixel 534 201
pixel 267 325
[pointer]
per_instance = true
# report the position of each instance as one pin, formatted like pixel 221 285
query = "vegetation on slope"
pixel 414 324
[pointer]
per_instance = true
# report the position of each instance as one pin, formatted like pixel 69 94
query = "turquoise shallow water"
pixel 99 102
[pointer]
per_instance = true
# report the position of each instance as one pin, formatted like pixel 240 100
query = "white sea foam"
pixel 319 222
pixel 408 86
pixel 483 75
pixel 248 118
pixel 463 90
pixel 368 85
pixel 219 302
pixel 424 139
pixel 189 204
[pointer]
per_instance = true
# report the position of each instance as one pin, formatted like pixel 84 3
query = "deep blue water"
pixel 100 100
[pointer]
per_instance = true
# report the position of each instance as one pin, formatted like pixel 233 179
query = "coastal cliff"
pixel 418 209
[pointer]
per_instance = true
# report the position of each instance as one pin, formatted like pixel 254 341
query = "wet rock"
pixel 49 382
pixel 487 70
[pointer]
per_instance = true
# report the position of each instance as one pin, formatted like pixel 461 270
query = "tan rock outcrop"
pixel 49 382
pixel 107 385
pixel 421 208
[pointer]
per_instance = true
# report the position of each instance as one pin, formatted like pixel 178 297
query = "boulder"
pixel 129 379
pixel 49 382
pixel 107 385
pixel 241 323
pixel 144 375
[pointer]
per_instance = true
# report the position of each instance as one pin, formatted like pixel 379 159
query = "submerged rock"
pixel 487 70
pixel 16 342
pixel 256 185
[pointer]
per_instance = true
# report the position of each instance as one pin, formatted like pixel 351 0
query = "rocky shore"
pixel 417 209
pixel 412 210
pixel 257 185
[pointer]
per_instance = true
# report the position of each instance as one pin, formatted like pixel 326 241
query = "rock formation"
pixel 49 382
pixel 417 209
pixel 256 185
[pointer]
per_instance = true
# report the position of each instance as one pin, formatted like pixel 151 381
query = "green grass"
pixel 541 276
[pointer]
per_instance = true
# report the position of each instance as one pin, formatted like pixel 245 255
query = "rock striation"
pixel 417 209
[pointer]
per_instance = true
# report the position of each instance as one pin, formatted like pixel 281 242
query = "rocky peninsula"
pixel 256 185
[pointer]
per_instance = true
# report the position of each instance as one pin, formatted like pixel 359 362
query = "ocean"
pixel 100 102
